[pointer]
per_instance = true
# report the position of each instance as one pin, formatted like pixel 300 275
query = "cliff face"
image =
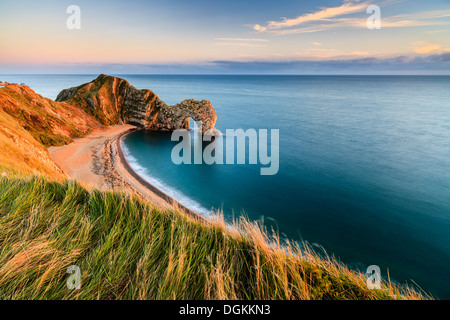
pixel 113 100
pixel 29 123
pixel 49 122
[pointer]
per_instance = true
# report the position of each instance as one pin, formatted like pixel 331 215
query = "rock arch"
pixel 177 117
pixel 113 100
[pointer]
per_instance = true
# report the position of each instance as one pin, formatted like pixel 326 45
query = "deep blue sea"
pixel 364 162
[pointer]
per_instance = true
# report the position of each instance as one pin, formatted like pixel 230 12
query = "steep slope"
pixel 49 122
pixel 29 123
pixel 21 154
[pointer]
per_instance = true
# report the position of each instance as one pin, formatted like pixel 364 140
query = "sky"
pixel 225 37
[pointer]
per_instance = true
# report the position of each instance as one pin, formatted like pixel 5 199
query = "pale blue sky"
pixel 246 36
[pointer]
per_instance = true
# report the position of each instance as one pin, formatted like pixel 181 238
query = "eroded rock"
pixel 113 100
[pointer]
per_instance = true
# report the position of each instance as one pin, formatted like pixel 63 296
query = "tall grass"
pixel 128 249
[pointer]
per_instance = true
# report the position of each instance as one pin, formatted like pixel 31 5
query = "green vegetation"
pixel 49 139
pixel 128 249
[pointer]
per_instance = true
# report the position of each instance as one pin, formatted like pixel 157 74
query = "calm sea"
pixel 364 163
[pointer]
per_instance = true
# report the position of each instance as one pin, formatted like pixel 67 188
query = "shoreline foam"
pixel 142 181
pixel 167 191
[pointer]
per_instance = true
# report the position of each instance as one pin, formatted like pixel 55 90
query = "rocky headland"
pixel 113 100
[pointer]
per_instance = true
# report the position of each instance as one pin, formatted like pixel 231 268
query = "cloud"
pixel 424 47
pixel 348 7
pixel 317 43
pixel 444 57
pixel 318 54
pixel 434 31
pixel 427 18
pixel 334 17
pixel 430 64
pixel 241 39
pixel 238 44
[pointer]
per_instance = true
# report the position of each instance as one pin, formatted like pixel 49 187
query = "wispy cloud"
pixel 435 31
pixel 426 64
pixel 242 39
pixel 238 44
pixel 427 18
pixel 321 54
pixel 348 7
pixel 425 47
pixel 334 18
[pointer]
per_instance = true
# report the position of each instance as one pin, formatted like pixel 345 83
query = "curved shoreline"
pixel 121 156
pixel 97 160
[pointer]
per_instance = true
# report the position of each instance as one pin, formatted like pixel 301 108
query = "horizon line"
pixel 226 74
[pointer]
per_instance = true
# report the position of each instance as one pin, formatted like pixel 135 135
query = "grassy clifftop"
pixel 128 249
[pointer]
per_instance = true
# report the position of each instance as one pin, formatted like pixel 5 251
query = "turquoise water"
pixel 364 163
